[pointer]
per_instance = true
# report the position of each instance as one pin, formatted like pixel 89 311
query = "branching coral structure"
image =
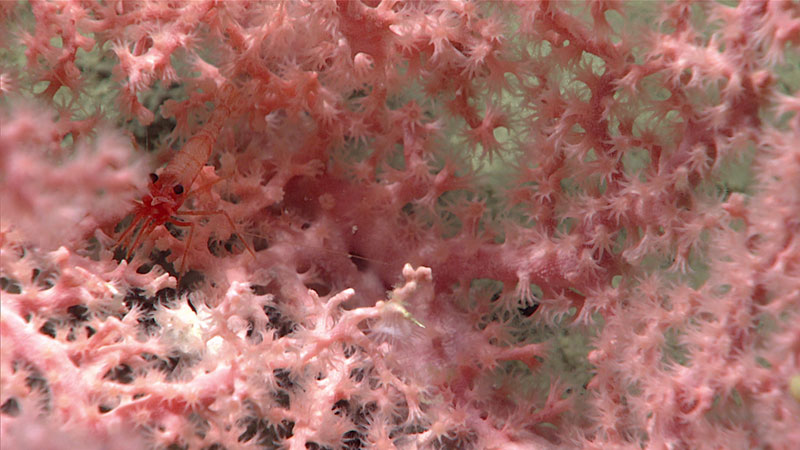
pixel 387 224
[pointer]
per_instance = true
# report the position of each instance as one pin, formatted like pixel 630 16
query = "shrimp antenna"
pixel 332 252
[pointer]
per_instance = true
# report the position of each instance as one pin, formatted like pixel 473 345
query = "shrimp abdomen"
pixel 187 163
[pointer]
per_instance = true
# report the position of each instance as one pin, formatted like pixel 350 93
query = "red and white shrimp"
pixel 169 190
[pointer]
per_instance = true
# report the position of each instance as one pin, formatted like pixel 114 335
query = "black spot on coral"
pixel 79 313
pixel 121 374
pixel 10 407
pixel 278 322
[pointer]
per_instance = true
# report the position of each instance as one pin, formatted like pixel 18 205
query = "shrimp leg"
pixel 125 237
pixel 209 213
pixel 188 241
pixel 147 227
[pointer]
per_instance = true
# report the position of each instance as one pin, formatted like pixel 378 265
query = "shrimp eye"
pixel 153 178
pixel 178 189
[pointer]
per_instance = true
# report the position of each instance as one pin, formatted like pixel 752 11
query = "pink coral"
pixel 475 224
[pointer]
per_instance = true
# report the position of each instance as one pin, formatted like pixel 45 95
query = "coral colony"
pixel 389 224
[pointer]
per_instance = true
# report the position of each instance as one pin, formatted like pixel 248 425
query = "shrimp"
pixel 169 190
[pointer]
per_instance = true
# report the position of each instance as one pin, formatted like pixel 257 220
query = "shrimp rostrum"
pixel 168 191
